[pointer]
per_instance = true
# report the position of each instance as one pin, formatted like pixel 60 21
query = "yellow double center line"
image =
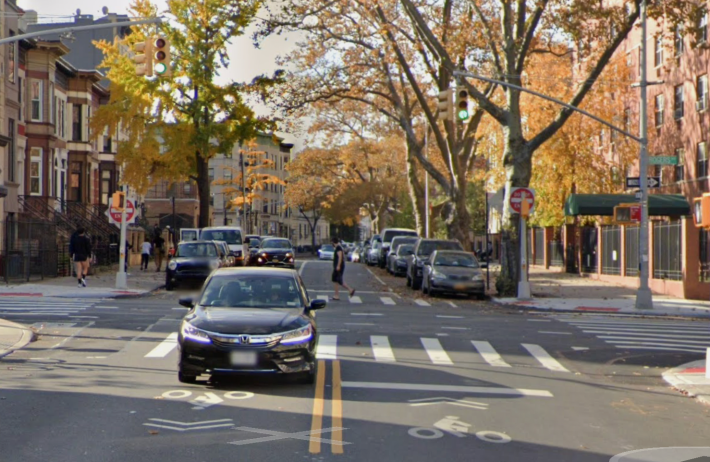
pixel 314 447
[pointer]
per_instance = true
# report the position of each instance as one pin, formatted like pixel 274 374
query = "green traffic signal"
pixel 463 114
pixel 160 68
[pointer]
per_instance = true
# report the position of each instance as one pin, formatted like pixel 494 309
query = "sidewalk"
pixel 563 292
pixel 13 337
pixel 690 379
pixel 102 285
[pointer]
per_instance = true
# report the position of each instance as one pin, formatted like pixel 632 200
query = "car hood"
pixel 182 260
pixel 247 321
pixel 457 270
pixel 275 251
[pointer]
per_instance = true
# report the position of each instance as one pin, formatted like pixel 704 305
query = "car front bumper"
pixel 468 287
pixel 190 275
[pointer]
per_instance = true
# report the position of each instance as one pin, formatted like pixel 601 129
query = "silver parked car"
pixel 397 260
pixel 453 271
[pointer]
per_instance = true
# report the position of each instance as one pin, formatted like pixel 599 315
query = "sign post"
pixel 121 277
pixel 522 201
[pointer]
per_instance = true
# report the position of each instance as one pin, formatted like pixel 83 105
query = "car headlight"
pixel 289 255
pixel 477 277
pixel 438 275
pixel 237 253
pixel 172 266
pixel 265 255
pixel 214 264
pixel 303 334
pixel 193 333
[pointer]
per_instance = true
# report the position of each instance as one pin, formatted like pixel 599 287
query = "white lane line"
pixel 659 328
pixel 356 300
pixel 381 348
pixel 580 348
pixel 449 388
pixel 456 328
pixel 387 301
pixel 85 317
pixel 544 358
pixel 553 332
pixel 647 325
pixel 165 347
pixel 539 320
pixel 303 265
pixel 618 338
pixel 179 308
pixel 453 305
pixel 449 317
pixel 327 347
pixel 366 314
pixel 634 347
pixel 647 333
pixel 436 352
pixel 629 342
pixel 489 354
pixel 44 313
pixel 106 307
pixel 321 297
pixel 60 344
pixel 375 276
pixel 421 302
pixel 359 323
pixel 442 335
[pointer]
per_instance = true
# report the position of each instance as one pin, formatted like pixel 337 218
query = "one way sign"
pixel 635 182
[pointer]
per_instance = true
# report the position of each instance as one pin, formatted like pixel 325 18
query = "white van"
pixel 234 238
pixel 189 234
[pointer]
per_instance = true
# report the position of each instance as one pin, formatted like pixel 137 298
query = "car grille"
pixel 191 267
pixel 238 340
pixel 459 278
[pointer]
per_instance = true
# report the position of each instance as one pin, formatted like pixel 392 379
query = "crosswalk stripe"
pixel 421 302
pixel 355 299
pixel 327 347
pixel 436 352
pixel 381 348
pixel 544 358
pixel 387 301
pixel 489 354
pixel 642 332
pixel 321 297
pixel 636 324
pixel 165 347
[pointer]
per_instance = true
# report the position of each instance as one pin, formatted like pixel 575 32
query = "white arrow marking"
pixel 206 400
pixel 444 400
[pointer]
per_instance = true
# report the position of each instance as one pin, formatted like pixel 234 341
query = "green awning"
pixel 603 204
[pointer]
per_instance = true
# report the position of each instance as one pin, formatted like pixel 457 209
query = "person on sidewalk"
pixel 159 249
pixel 80 249
pixel 145 253
pixel 339 269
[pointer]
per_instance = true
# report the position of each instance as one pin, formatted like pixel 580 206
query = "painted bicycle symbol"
pixel 453 426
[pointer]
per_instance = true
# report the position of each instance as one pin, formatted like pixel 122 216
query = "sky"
pixel 245 61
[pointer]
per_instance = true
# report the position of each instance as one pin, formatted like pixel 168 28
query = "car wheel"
pixel 169 286
pixel 481 296
pixel 416 284
pixel 184 378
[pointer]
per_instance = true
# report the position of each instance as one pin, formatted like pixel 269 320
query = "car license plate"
pixel 275 259
pixel 460 286
pixel 243 358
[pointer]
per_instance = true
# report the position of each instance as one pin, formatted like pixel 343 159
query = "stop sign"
pixel 116 213
pixel 518 195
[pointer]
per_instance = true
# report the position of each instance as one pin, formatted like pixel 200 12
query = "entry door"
pixel 590 241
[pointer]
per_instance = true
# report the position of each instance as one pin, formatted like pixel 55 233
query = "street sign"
pixel 518 195
pixel 114 215
pixel 635 182
pixel 627 213
pixel 663 160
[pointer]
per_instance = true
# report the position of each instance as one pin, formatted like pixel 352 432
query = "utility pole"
pixel 121 276
pixel 426 182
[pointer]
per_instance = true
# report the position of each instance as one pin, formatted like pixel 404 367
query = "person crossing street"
pixel 339 269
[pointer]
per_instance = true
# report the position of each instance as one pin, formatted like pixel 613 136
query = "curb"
pixel 28 336
pixel 144 294
pixel 699 392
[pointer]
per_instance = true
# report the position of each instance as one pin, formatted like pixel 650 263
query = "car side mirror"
pixel 187 302
pixel 318 304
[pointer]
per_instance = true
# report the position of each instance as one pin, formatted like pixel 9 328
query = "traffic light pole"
pixel 121 276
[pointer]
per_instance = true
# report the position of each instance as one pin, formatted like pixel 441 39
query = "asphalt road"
pixel 401 378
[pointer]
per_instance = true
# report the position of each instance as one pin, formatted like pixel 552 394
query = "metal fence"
pixel 611 250
pixel 667 251
pixel 631 250
pixel 589 249
pixel 29 251
pixel 704 255
pixel 556 251
pixel 539 255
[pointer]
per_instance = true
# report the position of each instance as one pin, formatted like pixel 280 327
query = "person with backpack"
pixel 339 269
pixel 80 250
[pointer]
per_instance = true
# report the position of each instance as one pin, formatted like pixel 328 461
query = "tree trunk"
pixel 203 190
pixel 518 169
pixel 416 191
pixel 456 216
pixel 313 232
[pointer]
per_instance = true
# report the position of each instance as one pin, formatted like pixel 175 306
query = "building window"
pixel 36 98
pixel 62 117
pixel 678 106
pixel 76 127
pixel 75 182
pixel 108 143
pixel 627 124
pixel 21 97
pixel 227 174
pixel 105 186
pixel 702 161
pixel 11 59
pixel 703 27
pixel 678 45
pixel 36 172
pixel 680 167
pixel 187 188
pixel 210 172
pixel 52 107
pixel 659 110
pixel 11 161
pixel 702 93
pixel 658 52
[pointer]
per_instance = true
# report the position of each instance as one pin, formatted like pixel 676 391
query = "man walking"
pixel 339 269
pixel 145 253
pixel 80 249
pixel 159 249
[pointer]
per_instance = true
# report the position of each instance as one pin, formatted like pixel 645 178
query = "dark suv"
pixel 422 250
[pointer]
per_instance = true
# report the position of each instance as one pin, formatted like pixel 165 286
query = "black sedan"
pixel 275 251
pixel 453 271
pixel 193 261
pixel 253 320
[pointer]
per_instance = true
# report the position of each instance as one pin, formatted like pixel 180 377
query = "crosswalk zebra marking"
pixel 165 347
pixel 489 354
pixel 436 352
pixel 421 302
pixel 327 347
pixel 544 358
pixel 355 299
pixel 387 301
pixel 381 348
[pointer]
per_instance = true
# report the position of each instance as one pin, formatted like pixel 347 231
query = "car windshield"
pixel 426 248
pixel 327 248
pixel 456 259
pixel 275 244
pixel 254 243
pixel 389 235
pixel 404 250
pixel 196 250
pixel 230 236
pixel 252 291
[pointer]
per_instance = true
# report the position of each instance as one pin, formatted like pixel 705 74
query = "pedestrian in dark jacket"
pixel 80 249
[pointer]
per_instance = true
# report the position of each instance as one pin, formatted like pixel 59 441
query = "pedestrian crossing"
pixel 381 350
pixel 38 307
pixel 374 299
pixel 639 334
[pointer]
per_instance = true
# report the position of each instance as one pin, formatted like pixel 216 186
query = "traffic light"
pixel 161 56
pixel 701 211
pixel 446 105
pixel 143 57
pixel 627 213
pixel 118 200
pixel 462 104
